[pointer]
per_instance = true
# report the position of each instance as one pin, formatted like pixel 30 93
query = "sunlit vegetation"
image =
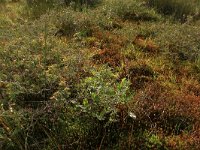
pixel 99 74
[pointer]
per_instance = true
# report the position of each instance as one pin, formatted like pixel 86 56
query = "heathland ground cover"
pixel 99 74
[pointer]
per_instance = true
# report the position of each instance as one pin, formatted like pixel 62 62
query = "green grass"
pixel 116 75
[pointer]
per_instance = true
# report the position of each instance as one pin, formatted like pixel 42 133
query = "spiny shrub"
pixel 180 9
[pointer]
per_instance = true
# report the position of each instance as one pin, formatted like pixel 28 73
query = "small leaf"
pixel 85 102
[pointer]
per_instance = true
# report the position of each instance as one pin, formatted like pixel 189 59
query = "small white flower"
pixel 11 109
pixel 132 115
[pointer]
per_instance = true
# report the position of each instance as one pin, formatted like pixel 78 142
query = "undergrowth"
pixel 99 75
pixel 180 9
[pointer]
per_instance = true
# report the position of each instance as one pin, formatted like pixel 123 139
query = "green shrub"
pixel 153 141
pixel 80 4
pixel 180 9
pixel 2 1
pixel 70 23
pixel 131 10
pixel 93 109
pixel 53 94
pixel 41 62
pixel 35 8
pixel 102 94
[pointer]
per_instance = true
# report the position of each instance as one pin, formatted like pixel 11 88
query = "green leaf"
pixel 85 102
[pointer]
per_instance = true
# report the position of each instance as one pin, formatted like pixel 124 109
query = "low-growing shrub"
pixel 102 95
pixel 101 105
pixel 39 65
pixel 180 9
pixel 131 10
pixel 72 23
pixel 56 93
pixel 166 110
pixel 80 4
pixel 2 1
pixel 36 8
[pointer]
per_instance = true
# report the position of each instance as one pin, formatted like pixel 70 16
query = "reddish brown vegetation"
pixel 107 56
pixel 139 75
pixel 176 115
pixel 122 114
pixel 110 40
pixel 192 88
pixel 172 112
pixel 109 49
pixel 146 44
